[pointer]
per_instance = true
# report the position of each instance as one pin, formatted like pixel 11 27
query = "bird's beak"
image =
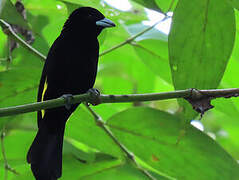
pixel 105 23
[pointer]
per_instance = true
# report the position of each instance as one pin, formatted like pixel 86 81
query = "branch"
pixel 191 94
pixel 129 154
pixel 10 33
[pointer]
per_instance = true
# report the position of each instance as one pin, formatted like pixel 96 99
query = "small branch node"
pixel 196 94
pixel 94 98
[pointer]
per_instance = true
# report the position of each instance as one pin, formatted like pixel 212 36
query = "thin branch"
pixel 8 31
pixel 7 167
pixel 87 97
pixel 129 154
pixel 129 40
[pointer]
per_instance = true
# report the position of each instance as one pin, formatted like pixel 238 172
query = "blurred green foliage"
pixel 202 52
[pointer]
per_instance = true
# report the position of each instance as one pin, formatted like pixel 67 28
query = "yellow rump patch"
pixel 42 97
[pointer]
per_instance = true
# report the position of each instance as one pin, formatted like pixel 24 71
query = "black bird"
pixel 70 68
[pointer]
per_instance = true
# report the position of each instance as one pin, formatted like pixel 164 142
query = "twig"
pixel 129 154
pixel 7 167
pixel 193 94
pixel 129 40
pixel 8 31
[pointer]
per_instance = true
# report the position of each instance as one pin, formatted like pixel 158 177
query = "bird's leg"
pixel 94 96
pixel 67 98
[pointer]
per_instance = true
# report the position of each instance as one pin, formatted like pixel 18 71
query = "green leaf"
pixel 78 150
pixel 3 50
pixel 235 3
pixel 200 45
pixel 9 14
pixel 92 3
pixel 151 4
pixel 152 49
pixel 42 16
pixel 105 169
pixel 166 5
pixel 156 63
pixel 124 171
pixel 152 135
pixel 82 127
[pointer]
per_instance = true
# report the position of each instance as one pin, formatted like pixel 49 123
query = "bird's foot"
pixel 67 98
pixel 94 96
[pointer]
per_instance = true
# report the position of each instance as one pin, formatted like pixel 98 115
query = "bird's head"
pixel 85 18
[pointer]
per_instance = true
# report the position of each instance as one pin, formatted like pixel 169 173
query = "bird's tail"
pixel 45 154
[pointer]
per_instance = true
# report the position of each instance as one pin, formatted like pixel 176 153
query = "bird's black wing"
pixel 60 76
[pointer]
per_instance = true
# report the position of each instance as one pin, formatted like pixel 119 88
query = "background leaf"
pixel 159 133
pixel 200 42
pixel 9 13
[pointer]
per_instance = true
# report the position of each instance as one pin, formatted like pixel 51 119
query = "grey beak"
pixel 105 23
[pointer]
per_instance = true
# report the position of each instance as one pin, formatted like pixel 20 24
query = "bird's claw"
pixel 67 98
pixel 94 96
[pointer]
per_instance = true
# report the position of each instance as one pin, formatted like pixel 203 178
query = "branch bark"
pixel 87 97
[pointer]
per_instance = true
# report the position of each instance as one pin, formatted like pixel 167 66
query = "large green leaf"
pixel 235 3
pixel 200 44
pixel 152 49
pixel 152 136
pixel 154 60
pixel 82 127
pixel 104 169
